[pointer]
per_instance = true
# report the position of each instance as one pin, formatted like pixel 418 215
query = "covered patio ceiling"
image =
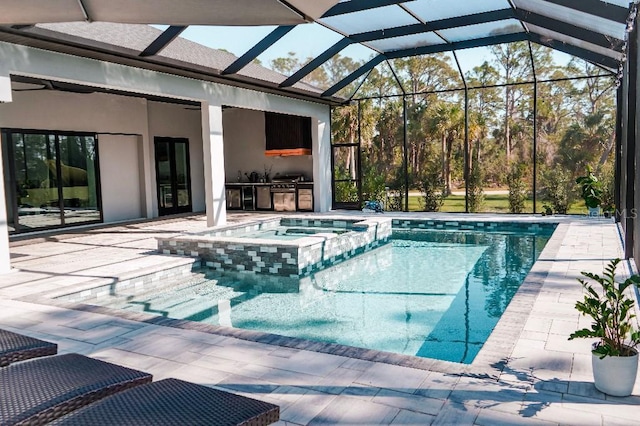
pixel 170 12
pixel 594 30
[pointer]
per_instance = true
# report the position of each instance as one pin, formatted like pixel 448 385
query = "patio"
pixel 527 372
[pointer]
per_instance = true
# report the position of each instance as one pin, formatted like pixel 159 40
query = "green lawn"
pixel 492 204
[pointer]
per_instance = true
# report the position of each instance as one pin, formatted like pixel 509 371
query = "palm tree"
pixel 448 125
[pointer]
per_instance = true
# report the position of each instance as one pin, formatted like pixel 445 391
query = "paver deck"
pixel 527 372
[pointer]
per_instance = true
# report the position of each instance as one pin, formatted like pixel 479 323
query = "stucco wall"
pixel 91 112
pixel 244 146
pixel 119 176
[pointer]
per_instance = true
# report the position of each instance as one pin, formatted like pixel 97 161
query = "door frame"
pixel 172 165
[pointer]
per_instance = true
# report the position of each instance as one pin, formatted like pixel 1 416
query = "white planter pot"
pixel 615 375
pixel 594 211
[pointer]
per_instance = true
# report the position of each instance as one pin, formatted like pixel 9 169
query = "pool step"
pixel 185 298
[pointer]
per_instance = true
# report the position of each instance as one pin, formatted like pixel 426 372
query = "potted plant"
pixel 591 190
pixel 608 210
pixel 614 355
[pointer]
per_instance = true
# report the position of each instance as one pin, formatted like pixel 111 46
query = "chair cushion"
pixel 173 402
pixel 17 347
pixel 43 389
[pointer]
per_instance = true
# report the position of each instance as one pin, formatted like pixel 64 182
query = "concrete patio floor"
pixel 527 372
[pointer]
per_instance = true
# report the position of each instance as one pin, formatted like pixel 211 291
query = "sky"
pixel 307 40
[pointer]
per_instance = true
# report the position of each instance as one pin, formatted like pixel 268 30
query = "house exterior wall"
pixel 244 146
pixel 91 112
pixel 24 60
pixel 108 113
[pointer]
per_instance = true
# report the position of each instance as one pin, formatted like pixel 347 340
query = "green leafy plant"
pixel 612 312
pixel 517 188
pixel 591 188
pixel 607 200
pixel 433 189
pixel 475 193
pixel 558 189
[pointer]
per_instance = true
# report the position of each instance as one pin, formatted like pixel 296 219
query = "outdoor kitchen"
pixel 268 161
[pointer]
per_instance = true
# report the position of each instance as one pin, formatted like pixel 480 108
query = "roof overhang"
pixel 167 12
pixel 47 40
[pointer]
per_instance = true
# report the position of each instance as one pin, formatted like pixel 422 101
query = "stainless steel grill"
pixel 283 189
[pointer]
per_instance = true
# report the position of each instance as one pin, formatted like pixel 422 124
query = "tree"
pixel 287 65
pixel 483 106
pixel 448 123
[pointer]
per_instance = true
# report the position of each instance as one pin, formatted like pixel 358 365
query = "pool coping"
pixel 489 362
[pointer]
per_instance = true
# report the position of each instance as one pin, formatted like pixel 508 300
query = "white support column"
pixel 148 171
pixel 322 163
pixel 213 156
pixel 5 262
pixel 5 89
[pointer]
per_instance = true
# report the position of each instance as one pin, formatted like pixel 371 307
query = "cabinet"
pixel 234 198
pixel 305 199
pixel 263 198
pixel 248 196
pixel 287 134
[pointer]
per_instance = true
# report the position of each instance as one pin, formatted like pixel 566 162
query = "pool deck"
pixel 527 372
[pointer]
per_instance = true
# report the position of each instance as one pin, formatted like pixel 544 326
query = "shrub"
pixel 433 189
pixel 475 195
pixel 394 200
pixel 608 187
pixel 558 189
pixel 517 188
pixel 373 181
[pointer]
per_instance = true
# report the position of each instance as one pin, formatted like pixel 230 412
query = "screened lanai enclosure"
pixel 509 135
pixel 492 106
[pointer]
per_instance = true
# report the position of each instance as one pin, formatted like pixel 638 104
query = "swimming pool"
pixel 435 294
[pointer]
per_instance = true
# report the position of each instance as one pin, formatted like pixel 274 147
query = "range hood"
pixel 287 135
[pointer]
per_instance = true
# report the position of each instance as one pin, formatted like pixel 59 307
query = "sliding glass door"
pixel 51 180
pixel 173 175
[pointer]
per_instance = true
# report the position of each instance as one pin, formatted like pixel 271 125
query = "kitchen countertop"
pixel 247 183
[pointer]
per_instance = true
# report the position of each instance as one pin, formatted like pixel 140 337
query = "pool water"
pixel 292 232
pixel 435 294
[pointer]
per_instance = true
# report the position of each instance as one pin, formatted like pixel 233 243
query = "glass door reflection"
pixel 37 193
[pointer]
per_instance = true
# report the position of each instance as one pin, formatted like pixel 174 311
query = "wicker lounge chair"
pixel 172 402
pixel 16 347
pixel 40 390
